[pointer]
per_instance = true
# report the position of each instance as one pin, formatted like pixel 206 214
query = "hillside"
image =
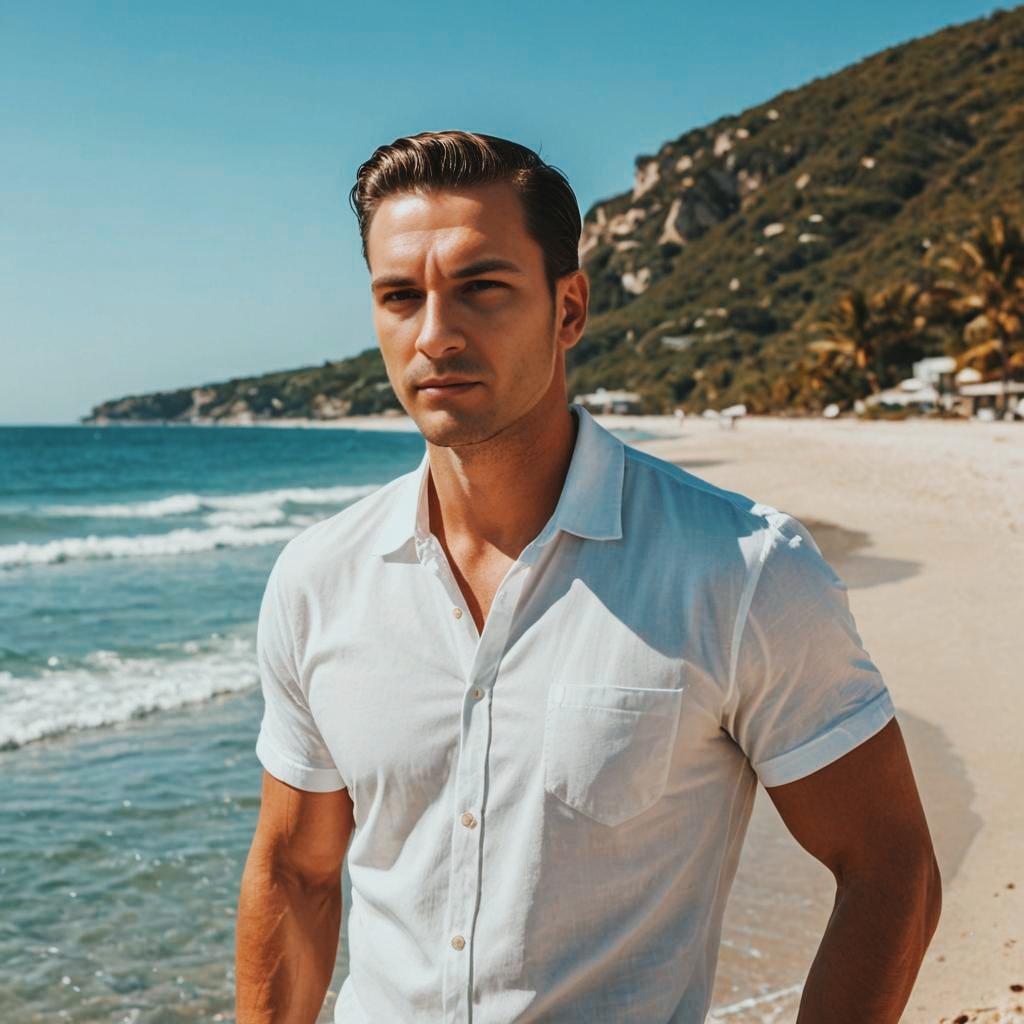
pixel 736 236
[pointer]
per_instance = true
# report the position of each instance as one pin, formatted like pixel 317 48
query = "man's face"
pixel 460 293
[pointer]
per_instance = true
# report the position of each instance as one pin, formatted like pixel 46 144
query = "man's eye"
pixel 398 296
pixel 486 284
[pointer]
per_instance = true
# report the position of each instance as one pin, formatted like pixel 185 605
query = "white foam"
pixel 111 689
pixel 235 520
pixel 174 505
pixel 292 495
pixel 186 504
pixel 249 517
pixel 175 542
pixel 779 995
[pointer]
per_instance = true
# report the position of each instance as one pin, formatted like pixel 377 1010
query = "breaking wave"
pixel 229 521
pixel 188 504
pixel 176 542
pixel 108 688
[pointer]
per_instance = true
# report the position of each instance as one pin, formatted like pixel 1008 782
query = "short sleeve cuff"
pixel 829 746
pixel 314 780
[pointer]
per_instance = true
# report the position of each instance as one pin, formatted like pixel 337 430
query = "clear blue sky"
pixel 173 177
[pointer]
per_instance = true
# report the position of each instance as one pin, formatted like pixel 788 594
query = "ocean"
pixel 132 562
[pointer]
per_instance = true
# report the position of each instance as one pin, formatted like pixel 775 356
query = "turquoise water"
pixel 132 562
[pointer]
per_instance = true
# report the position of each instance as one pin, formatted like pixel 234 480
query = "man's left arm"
pixel 861 816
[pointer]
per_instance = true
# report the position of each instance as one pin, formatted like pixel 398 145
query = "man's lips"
pixel 434 390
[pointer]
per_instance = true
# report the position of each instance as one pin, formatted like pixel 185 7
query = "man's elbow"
pixel 924 881
pixel 906 885
pixel 277 864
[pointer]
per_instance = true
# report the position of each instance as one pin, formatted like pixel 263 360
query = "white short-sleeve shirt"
pixel 549 815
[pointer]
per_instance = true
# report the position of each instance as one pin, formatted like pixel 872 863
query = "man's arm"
pixel 861 816
pixel 289 907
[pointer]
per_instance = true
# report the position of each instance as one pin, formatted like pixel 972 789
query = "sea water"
pixel 132 562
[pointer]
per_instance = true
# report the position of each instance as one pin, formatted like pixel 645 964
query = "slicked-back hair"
pixel 452 159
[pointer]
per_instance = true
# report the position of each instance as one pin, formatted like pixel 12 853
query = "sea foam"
pixel 175 542
pixel 110 688
pixel 232 521
pixel 188 504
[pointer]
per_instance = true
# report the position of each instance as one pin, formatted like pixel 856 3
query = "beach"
pixel 129 699
pixel 925 522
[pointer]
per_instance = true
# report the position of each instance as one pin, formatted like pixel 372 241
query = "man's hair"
pixel 453 159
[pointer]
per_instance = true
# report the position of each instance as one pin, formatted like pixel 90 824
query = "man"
pixel 536 680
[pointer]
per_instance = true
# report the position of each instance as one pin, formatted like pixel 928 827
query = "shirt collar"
pixel 589 506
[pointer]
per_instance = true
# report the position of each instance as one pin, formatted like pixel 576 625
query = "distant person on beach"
pixel 536 680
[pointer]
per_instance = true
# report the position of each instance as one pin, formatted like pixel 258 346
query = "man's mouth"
pixel 441 388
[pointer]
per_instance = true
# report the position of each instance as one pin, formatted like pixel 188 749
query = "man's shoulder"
pixel 727 535
pixel 697 506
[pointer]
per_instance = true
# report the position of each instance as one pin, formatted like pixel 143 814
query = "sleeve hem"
pixel 314 780
pixel 828 747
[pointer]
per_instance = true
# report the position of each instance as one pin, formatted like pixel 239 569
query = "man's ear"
pixel 574 297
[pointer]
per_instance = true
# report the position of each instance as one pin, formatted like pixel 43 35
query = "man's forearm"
pixel 286 943
pixel 872 950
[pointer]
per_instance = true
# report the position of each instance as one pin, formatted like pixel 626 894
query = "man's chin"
pixel 448 429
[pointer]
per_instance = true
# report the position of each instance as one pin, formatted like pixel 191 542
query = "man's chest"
pixel 574 690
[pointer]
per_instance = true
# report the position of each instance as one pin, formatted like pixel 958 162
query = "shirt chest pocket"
pixel 607 749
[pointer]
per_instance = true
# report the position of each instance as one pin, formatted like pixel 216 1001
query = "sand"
pixel 925 522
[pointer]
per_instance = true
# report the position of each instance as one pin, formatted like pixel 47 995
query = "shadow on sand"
pixel 842 550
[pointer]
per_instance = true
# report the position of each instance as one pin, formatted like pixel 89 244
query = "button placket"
pixel 470 781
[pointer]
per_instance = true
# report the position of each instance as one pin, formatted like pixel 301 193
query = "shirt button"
pixel 457 612
pixel 468 820
pixel 458 942
pixel 477 692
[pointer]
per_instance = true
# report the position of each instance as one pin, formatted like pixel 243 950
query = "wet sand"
pixel 925 522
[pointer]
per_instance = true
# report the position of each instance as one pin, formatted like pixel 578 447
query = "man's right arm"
pixel 289 907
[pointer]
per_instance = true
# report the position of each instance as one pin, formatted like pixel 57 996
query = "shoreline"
pixel 925 523
pixel 663 425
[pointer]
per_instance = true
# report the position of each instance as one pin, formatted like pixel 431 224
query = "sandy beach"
pixel 129 913
pixel 925 522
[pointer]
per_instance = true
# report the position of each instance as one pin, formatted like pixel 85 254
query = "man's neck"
pixel 496 498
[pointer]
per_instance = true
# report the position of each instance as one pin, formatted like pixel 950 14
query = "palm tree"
pixel 985 293
pixel 863 331
pixel 848 337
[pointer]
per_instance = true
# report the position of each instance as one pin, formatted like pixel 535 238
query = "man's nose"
pixel 438 335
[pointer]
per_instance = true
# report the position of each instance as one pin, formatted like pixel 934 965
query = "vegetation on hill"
pixel 786 257
pixel 971 307
pixel 349 387
pixel 739 238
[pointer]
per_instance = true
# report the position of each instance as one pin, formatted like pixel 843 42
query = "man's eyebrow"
pixel 485 266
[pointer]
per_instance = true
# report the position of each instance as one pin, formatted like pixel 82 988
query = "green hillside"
pixel 736 236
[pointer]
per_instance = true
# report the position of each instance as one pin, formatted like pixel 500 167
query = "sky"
pixel 174 177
